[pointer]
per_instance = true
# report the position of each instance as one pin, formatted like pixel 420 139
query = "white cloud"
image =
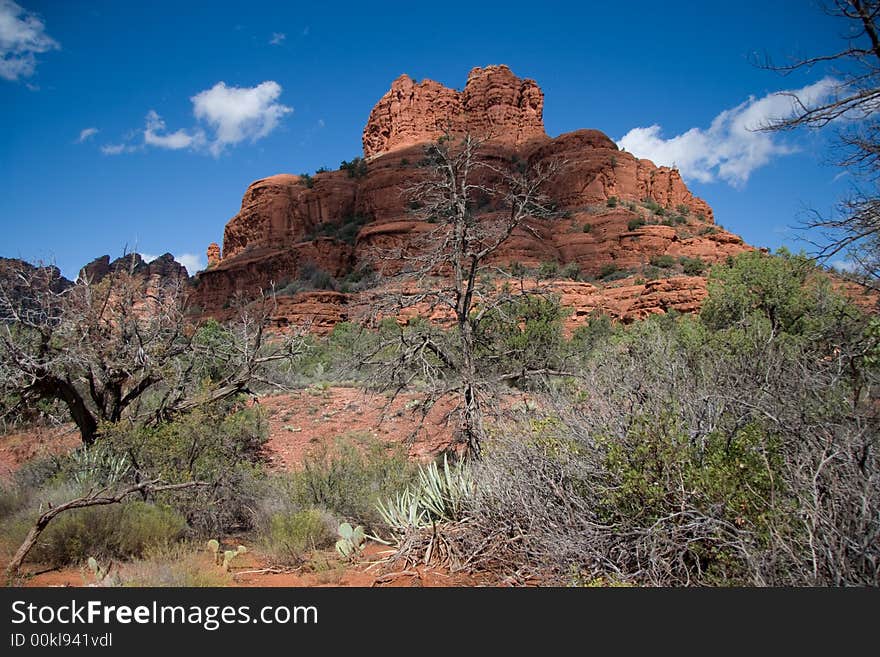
pixel 239 113
pixel 845 265
pixel 114 149
pixel 22 37
pixel 86 134
pixel 277 38
pixel 230 115
pixel 173 141
pixel 730 149
pixel 148 257
pixel 193 262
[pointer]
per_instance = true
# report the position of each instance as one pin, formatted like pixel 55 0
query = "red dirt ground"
pixel 253 570
pixel 301 420
pixel 20 447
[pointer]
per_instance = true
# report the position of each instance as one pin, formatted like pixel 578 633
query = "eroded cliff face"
pixel 335 221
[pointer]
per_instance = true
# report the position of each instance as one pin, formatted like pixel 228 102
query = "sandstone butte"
pixel 290 224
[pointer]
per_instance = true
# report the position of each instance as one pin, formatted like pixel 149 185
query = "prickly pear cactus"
pixel 351 540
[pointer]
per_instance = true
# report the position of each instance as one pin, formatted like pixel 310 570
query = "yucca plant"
pixel 439 495
pixel 98 465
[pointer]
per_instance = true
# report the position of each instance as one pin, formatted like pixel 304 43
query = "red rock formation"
pixel 285 209
pixel 288 224
pixel 494 104
pixel 213 254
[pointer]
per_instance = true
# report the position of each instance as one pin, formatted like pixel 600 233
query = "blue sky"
pixel 141 124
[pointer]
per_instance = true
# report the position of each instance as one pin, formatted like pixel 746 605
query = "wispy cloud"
pixel 153 134
pixel 22 37
pixel 85 134
pixel 731 148
pixel 115 149
pixel 277 38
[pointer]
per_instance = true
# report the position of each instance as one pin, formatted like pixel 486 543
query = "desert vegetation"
pixel 737 446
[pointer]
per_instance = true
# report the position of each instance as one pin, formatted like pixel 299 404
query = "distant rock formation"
pixel 45 277
pixel 164 267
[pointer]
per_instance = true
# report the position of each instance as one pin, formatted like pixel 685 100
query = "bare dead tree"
pixel 99 348
pixel 851 108
pixel 472 203
pixel 100 497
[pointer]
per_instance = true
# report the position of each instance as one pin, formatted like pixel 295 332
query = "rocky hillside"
pixel 633 229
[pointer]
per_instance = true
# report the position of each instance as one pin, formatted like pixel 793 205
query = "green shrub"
pixel 663 261
pixel 548 269
pixel 518 269
pixel 119 531
pixel 345 230
pixel 608 270
pixel 357 168
pixel 37 472
pixel 307 180
pixel 523 335
pixel 657 469
pixel 360 278
pixel 321 280
pixel 12 499
pixel 693 266
pixel 290 535
pixel 679 219
pixel 651 272
pixel 587 228
pixel 635 223
pixel 221 444
pixel 682 210
pixel 598 330
pixel 348 477
pixel 611 202
pixel 785 292
pixel 572 270
pixel 653 206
